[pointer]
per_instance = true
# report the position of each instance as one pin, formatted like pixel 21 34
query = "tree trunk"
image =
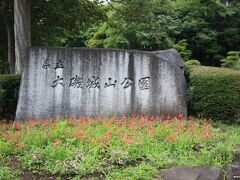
pixel 22 22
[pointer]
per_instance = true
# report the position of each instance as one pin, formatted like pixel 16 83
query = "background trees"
pixel 232 60
pixel 144 25
pixel 62 22
pixel 201 29
pixel 45 23
pixel 210 28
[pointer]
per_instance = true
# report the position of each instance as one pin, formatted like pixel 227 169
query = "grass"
pixel 135 147
pixel 5 171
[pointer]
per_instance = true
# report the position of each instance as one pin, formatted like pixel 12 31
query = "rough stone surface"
pixel 236 159
pixel 193 173
pixel 80 81
pixel 233 170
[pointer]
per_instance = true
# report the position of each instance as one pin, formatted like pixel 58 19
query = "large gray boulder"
pixel 80 81
pixel 193 173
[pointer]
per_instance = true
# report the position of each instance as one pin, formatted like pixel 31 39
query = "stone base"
pixel 193 173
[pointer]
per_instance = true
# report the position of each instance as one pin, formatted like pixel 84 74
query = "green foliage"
pixel 114 148
pixel 181 47
pixel 209 27
pixel 215 92
pixel 197 29
pixel 143 171
pixel 6 148
pixel 57 22
pixel 232 60
pixel 193 62
pixel 9 87
pixel 138 25
pixel 97 41
pixel 6 173
pixel 115 39
pixel 3 65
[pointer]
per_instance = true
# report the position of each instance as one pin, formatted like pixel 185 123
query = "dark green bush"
pixel 214 92
pixel 193 62
pixel 9 87
pixel 232 60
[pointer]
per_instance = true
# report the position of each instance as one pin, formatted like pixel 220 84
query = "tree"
pixel 232 60
pixel 210 27
pixel 145 25
pixel 22 23
pixel 181 47
pixel 58 22
pixel 53 23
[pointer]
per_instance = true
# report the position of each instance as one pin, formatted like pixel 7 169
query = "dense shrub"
pixel 182 48
pixel 214 92
pixel 9 87
pixel 232 60
pixel 193 62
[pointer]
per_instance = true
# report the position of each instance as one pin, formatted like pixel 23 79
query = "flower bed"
pixel 111 147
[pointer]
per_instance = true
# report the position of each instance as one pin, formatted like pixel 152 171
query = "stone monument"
pixel 81 81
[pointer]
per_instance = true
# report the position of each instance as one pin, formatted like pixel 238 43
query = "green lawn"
pixel 112 148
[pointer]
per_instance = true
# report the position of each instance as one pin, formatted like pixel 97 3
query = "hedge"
pixel 193 62
pixel 214 92
pixel 9 87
